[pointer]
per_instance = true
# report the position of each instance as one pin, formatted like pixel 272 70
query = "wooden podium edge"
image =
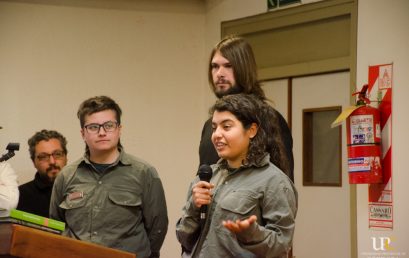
pixel 5 238
pixel 33 243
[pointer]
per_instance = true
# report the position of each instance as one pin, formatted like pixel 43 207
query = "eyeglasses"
pixel 43 157
pixel 109 126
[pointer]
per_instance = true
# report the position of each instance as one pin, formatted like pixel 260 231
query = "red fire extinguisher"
pixel 364 142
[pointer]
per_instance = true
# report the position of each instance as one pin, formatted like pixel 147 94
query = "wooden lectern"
pixel 25 242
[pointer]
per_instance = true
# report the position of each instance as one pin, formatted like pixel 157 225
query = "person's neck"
pixel 234 164
pixel 104 157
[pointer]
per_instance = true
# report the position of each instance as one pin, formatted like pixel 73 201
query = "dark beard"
pixel 45 177
pixel 46 180
pixel 233 90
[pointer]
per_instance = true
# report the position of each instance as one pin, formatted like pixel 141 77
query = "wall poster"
pixel 380 201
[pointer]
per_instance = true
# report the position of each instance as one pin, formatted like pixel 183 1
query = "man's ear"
pixel 82 133
pixel 120 129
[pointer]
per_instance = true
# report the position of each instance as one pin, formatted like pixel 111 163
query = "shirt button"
pixel 100 182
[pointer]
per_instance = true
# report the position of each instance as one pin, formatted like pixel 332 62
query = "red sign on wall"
pixel 380 195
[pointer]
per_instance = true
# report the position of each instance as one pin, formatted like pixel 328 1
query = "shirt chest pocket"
pixel 123 204
pixel 239 205
pixel 125 198
pixel 74 200
pixel 74 206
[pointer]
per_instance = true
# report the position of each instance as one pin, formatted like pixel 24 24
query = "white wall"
pixel 383 38
pixel 149 57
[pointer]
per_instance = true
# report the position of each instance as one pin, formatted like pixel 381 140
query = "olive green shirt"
pixel 256 189
pixel 123 207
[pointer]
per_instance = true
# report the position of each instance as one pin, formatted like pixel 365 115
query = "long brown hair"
pixel 241 57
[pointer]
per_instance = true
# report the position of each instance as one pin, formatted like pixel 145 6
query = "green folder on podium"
pixel 18 216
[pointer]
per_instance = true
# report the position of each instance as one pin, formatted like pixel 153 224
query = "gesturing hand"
pixel 239 225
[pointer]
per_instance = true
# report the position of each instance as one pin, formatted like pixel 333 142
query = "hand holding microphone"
pixel 201 191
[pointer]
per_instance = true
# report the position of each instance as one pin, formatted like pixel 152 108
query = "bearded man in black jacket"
pixel 233 69
pixel 48 151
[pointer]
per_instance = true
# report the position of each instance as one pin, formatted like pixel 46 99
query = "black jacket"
pixel 35 197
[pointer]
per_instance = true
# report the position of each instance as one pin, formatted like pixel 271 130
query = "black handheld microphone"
pixel 205 174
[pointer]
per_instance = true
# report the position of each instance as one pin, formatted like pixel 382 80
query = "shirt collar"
pixel 123 158
pixel 222 163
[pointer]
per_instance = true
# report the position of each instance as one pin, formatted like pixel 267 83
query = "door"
pixel 323 220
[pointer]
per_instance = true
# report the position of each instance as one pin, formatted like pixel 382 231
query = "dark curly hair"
pixel 45 135
pixel 247 109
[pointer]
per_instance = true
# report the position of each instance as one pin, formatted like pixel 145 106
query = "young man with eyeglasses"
pixel 109 197
pixel 48 151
